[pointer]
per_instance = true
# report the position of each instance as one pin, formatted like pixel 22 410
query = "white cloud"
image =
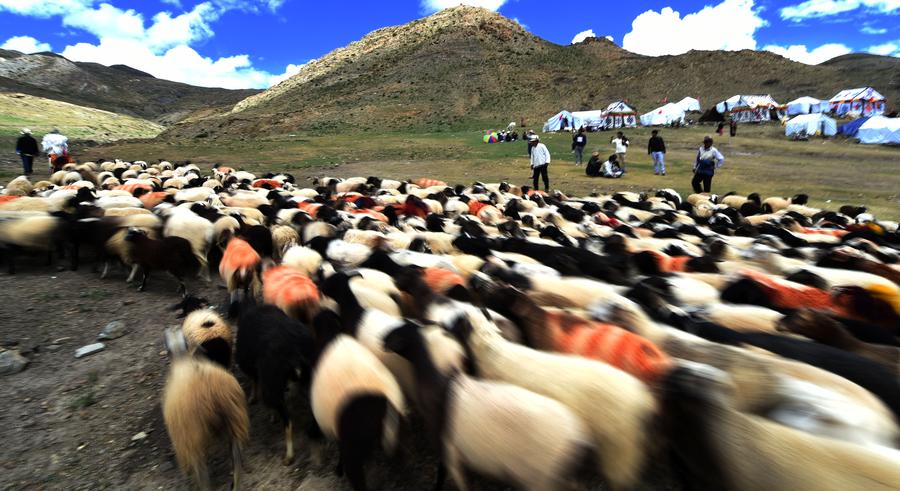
pixel 435 5
pixel 289 72
pixel 890 48
pixel 873 30
pixel 799 52
pixel 811 9
pixel 730 25
pixel 160 47
pixel 25 44
pixel 581 36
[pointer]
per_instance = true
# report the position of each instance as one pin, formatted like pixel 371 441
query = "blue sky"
pixel 255 43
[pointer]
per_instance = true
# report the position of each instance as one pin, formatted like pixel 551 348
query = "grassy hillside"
pixel 77 122
pixel 116 88
pixel 466 67
pixel 760 159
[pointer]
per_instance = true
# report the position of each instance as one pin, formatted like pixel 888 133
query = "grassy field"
pixel 41 115
pixel 759 159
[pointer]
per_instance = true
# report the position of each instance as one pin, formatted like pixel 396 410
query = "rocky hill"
pixel 118 88
pixel 468 66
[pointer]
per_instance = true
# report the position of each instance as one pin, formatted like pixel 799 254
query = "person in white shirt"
pixel 540 161
pixel 56 146
pixel 708 160
pixel 621 143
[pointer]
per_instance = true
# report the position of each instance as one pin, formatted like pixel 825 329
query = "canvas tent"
pixel 748 108
pixel 879 130
pixel 850 129
pixel 810 125
pixel 555 123
pixel 665 115
pixel 589 119
pixel 689 104
pixel 619 115
pixel 806 105
pixel 864 101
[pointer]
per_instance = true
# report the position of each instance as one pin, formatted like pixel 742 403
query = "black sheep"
pixel 171 254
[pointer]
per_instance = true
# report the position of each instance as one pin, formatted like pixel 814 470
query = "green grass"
pixel 759 159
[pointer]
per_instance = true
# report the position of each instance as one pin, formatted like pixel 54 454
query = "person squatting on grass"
pixel 540 160
pixel 708 160
pixel 656 148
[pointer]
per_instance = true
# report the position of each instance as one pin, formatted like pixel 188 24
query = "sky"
pixel 257 43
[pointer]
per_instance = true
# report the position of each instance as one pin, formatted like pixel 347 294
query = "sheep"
pixel 200 401
pixel 116 246
pixel 238 269
pixel 821 328
pixel 370 325
pixel 30 233
pixel 19 186
pixel 171 254
pixel 742 317
pixel 618 408
pixel 198 231
pixel 271 349
pixel 354 398
pixel 302 259
pixel 291 291
pixel 28 203
pixel 205 330
pixel 725 448
pixel 498 429
pixel 283 238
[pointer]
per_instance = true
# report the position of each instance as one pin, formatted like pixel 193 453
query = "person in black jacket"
pixel 27 148
pixel 593 166
pixel 656 148
pixel 579 141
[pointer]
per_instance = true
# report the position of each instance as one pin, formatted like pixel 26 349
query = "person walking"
pixel 56 146
pixel 540 161
pixel 27 148
pixel 708 160
pixel 621 143
pixel 656 148
pixel 579 141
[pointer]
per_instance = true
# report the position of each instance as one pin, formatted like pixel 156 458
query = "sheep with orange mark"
pixel 202 403
pixel 238 268
pixel 291 291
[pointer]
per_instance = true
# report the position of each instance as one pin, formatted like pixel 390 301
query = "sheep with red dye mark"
pixel 292 291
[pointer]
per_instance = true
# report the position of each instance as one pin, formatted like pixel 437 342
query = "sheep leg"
pixel 253 392
pixel 452 461
pixel 289 442
pixel 11 257
pixel 201 477
pixel 105 270
pixel 145 273
pixel 132 274
pixel 353 465
pixel 441 477
pixel 236 464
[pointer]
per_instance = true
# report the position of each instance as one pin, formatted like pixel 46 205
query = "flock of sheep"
pixel 750 344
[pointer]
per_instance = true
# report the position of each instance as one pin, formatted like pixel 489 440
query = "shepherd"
pixel 56 146
pixel 540 161
pixel 27 148
pixel 708 160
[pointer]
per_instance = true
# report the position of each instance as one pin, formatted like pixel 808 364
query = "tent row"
pixel 875 130
pixel 620 115
pixel 616 115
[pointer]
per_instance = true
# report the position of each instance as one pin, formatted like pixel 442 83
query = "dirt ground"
pixel 71 423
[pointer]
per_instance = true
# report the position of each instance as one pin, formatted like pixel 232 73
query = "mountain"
pixel 117 88
pixel 18 111
pixel 470 66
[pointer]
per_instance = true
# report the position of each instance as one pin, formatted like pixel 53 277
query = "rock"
pixel 53 348
pixel 113 330
pixel 89 349
pixel 12 362
pixel 139 436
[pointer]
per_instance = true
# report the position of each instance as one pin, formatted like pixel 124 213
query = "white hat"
pixel 26 131
pixel 533 138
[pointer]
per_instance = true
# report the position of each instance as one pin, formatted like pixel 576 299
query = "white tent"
pixel 865 101
pixel 664 115
pixel 806 105
pixel 748 108
pixel 559 121
pixel 811 125
pixel 689 104
pixel 588 119
pixel 619 115
pixel 879 129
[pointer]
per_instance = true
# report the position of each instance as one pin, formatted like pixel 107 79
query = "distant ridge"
pixel 117 88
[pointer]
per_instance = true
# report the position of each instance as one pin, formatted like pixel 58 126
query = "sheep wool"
pixel 291 291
